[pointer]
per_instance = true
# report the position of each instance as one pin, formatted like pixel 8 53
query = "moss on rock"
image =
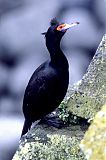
pixel 94 142
pixel 59 147
pixel 48 143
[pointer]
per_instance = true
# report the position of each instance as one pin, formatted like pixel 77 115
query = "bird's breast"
pixel 59 80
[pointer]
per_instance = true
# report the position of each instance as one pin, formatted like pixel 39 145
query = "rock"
pixel 94 141
pixel 48 143
pixel 87 97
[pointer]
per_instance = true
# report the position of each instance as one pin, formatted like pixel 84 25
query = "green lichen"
pixel 63 114
pixel 57 148
pixel 94 141
pixel 83 105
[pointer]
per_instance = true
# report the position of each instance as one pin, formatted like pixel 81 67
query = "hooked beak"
pixel 65 26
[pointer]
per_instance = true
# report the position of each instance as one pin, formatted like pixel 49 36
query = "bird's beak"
pixel 65 26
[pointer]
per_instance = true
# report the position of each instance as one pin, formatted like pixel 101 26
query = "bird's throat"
pixel 57 56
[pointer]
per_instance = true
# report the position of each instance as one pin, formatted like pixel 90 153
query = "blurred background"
pixel 22 50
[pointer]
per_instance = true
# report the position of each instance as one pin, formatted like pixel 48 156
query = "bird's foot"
pixel 52 121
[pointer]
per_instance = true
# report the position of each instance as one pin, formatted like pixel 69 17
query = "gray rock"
pixel 87 97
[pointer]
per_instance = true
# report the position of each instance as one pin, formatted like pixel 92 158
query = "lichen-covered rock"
pixel 48 143
pixel 94 142
pixel 87 97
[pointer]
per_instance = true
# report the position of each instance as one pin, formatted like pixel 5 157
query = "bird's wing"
pixel 41 82
pixel 40 90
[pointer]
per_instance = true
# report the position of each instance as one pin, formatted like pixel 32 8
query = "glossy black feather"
pixel 48 84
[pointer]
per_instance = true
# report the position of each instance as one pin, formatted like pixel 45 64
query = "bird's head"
pixel 57 30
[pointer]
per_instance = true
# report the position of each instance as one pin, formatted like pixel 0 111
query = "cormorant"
pixel 48 84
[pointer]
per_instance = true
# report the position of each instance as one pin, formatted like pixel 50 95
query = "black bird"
pixel 48 84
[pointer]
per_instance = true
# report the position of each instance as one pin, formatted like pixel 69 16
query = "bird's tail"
pixel 26 127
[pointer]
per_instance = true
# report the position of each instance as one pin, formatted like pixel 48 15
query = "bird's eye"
pixel 60 27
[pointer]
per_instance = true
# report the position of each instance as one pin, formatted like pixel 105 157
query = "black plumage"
pixel 48 84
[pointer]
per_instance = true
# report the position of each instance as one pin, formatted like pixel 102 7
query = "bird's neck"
pixel 57 56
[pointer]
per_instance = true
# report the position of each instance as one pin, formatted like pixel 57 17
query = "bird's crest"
pixel 54 22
